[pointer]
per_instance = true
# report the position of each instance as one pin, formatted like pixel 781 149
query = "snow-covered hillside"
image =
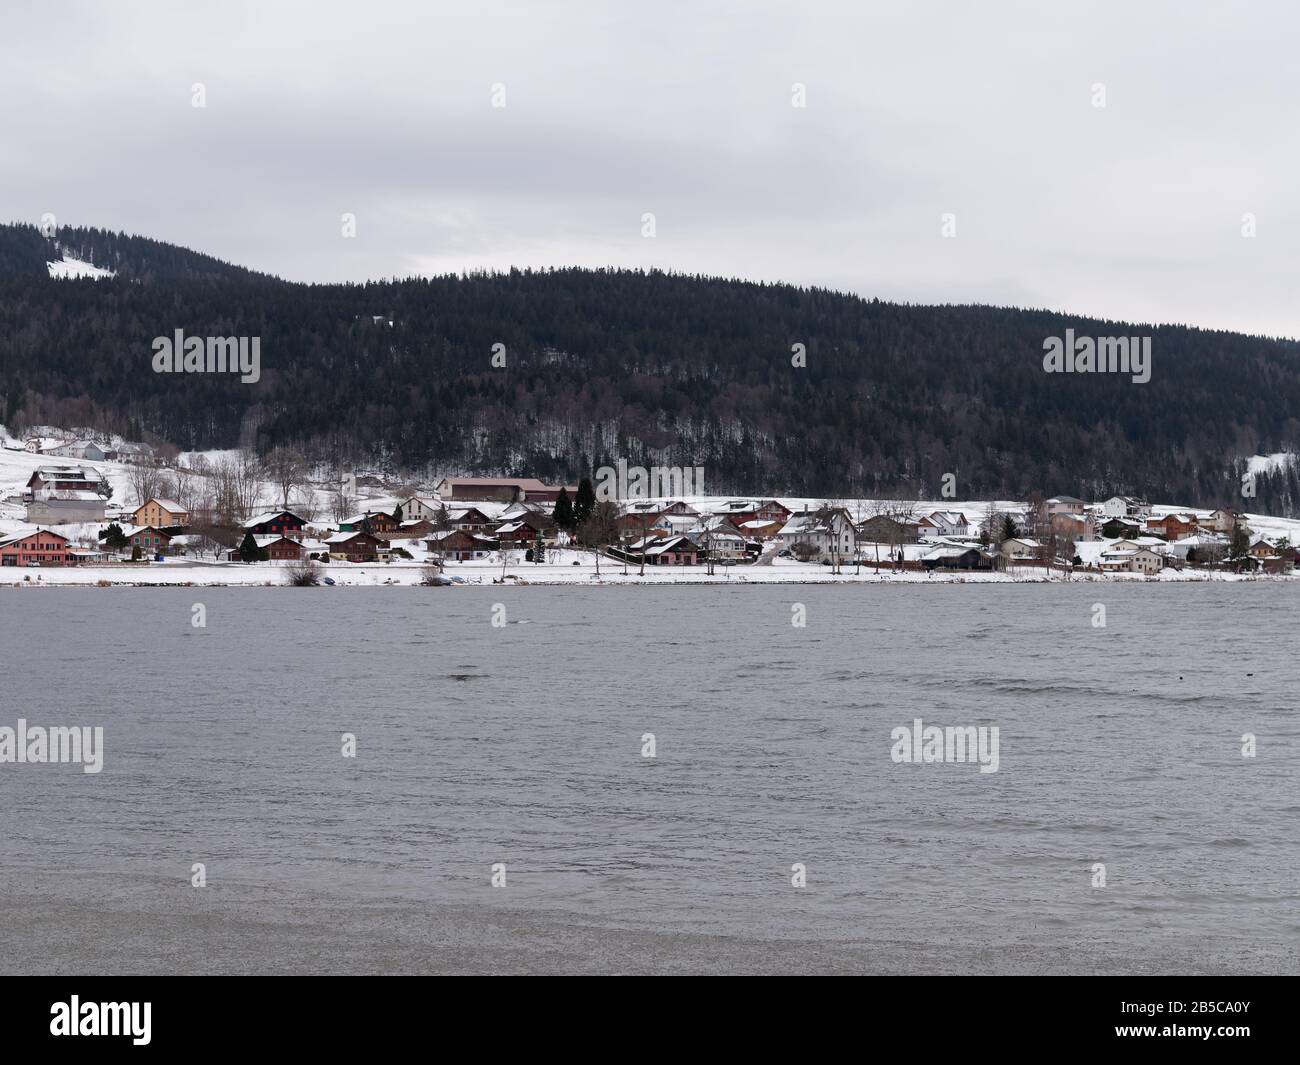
pixel 68 267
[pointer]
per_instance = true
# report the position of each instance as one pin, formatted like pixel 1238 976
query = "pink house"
pixel 41 547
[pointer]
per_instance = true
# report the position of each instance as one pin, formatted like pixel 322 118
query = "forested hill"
pixel 24 249
pixel 656 368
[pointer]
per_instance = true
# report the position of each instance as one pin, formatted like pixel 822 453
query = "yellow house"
pixel 160 514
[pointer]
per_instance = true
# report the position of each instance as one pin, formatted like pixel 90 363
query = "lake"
pixel 522 744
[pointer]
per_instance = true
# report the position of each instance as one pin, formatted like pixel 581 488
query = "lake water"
pixel 522 744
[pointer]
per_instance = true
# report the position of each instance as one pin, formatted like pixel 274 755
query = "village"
pixel 498 529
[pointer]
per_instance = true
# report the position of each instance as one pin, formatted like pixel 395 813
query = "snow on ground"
pixel 16 467
pixel 68 267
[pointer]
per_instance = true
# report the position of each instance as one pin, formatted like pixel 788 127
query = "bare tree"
pixel 146 481
pixel 600 529
pixel 287 470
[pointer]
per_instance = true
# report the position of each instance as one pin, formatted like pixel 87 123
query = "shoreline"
pixel 264 575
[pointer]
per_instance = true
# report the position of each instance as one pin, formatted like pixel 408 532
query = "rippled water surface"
pixel 522 744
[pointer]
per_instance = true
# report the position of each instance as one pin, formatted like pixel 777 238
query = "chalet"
pixel 39 548
pixel 760 529
pixel 470 520
pixel 378 522
pixel 275 523
pixel 1126 507
pixel 160 514
pixel 829 536
pixel 150 539
pixel 955 556
pixel 355 546
pixel 718 539
pixel 525 529
pixel 1174 526
pixel 886 529
pixel 1064 505
pixel 64 479
pixel 460 546
pixel 420 508
pixel 743 510
pixel 947 523
pixel 276 546
pixel 1261 548
pixel 667 551
pixel 1117 528
pixel 414 530
pixel 642 516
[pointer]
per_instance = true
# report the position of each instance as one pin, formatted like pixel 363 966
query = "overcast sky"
pixel 914 110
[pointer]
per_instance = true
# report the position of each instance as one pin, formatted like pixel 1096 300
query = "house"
pixel 161 514
pixel 829 536
pixel 355 546
pixel 459 545
pixel 667 551
pixel 414 530
pixel 278 548
pixel 1131 559
pixel 150 539
pixel 1174 526
pixel 945 523
pixel 420 508
pixel 470 520
pixel 379 522
pixel 65 479
pixel 740 511
pixel 1117 528
pixel 1261 548
pixel 1064 505
pixel 1070 526
pixel 955 556
pixel 1225 520
pixel 1126 507
pixel 62 507
pixel 885 529
pixel 720 540
pixel 84 449
pixel 275 523
pixel 1018 549
pixel 760 529
pixel 502 489
pixel 40 548
pixel 525 529
pixel 134 452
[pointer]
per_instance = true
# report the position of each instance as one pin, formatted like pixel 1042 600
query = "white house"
pixel 945 523
pixel 420 508
pixel 1126 507
pixel 833 537
pixel 1131 559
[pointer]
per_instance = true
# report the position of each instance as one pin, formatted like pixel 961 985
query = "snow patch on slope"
pixel 69 267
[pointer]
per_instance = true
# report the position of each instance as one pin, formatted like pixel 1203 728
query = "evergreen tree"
pixel 1240 546
pixel 539 549
pixel 1009 530
pixel 113 537
pixel 563 513
pixel 397 514
pixel 585 504
pixel 248 550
